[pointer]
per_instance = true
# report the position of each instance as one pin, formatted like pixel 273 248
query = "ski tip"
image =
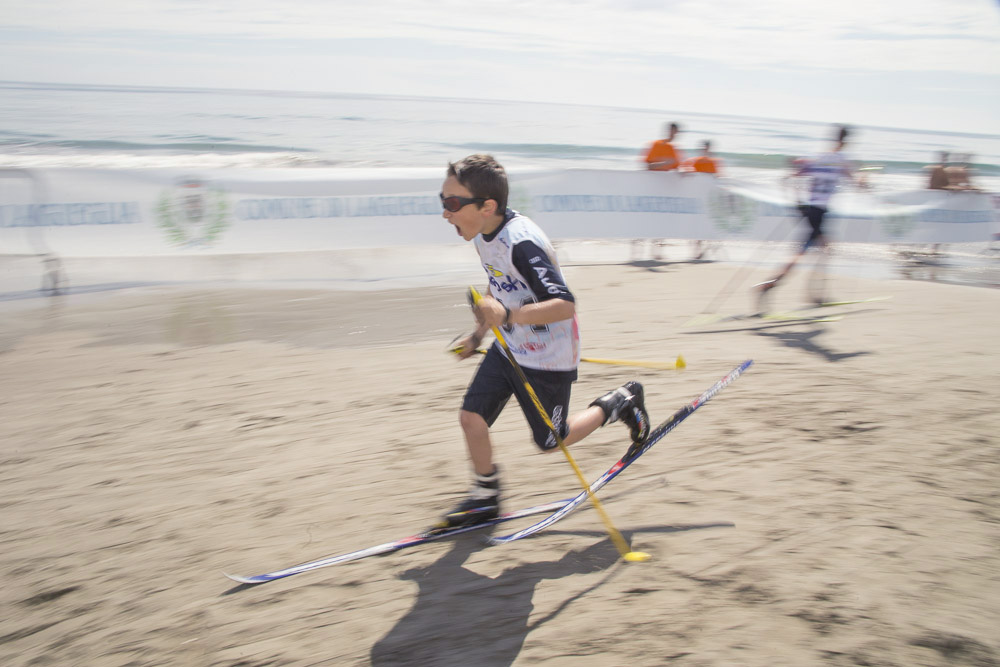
pixel 702 320
pixel 244 580
pixel 680 363
pixel 851 302
pixel 637 557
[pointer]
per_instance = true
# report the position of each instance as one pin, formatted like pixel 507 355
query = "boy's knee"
pixel 471 421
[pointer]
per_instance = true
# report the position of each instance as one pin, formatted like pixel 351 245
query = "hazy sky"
pixel 931 64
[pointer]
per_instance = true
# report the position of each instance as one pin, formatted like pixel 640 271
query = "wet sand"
pixel 838 505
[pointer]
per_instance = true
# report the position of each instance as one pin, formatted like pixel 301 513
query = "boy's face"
pixel 470 220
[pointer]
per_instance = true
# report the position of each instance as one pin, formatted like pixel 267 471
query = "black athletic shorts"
pixel 496 380
pixel 814 216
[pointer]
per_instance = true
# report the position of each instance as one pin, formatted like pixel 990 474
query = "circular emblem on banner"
pixel 193 213
pixel 896 225
pixel 731 212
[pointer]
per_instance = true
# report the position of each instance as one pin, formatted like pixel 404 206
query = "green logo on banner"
pixel 193 214
pixel 896 225
pixel 731 212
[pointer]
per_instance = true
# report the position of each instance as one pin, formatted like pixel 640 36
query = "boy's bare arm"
pixel 494 314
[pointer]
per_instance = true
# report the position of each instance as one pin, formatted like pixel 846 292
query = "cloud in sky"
pixel 886 62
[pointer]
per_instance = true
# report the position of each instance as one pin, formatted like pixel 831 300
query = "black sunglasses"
pixel 455 203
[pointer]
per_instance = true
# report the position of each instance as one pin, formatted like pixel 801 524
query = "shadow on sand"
pixel 464 618
pixel 805 341
pixel 791 334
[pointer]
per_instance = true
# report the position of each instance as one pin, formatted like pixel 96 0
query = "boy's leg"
pixel 625 403
pixel 481 504
pixel 553 389
pixel 584 423
pixel 477 441
pixel 816 287
pixel 485 398
pixel 483 501
pixel 813 215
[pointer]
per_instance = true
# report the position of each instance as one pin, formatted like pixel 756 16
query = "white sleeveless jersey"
pixel 553 347
pixel 825 170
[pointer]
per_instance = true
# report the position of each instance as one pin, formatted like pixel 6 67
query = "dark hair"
pixel 674 127
pixel 484 177
pixel 843 131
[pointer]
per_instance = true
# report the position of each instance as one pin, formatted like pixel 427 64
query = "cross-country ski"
pixel 395 545
pixel 559 509
pixel 705 320
pixel 630 456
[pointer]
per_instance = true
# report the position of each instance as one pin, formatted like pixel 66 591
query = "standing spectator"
pixel 959 173
pixel 938 179
pixel 662 156
pixel 704 163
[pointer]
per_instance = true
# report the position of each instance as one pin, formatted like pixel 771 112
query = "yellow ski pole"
pixel 659 365
pixel 616 537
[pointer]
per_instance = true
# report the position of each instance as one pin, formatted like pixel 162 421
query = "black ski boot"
pixel 627 403
pixel 481 505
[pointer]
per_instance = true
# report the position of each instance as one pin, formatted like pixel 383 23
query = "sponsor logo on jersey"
pixel 507 283
pixel 543 276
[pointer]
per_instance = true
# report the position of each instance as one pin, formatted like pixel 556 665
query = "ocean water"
pixel 48 125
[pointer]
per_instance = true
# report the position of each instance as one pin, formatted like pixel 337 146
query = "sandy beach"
pixel 837 505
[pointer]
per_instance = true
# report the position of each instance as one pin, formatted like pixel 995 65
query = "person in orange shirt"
pixel 662 156
pixel 704 163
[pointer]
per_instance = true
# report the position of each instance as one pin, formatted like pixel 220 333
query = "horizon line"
pixel 112 87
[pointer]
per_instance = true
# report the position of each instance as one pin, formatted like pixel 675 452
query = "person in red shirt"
pixel 662 156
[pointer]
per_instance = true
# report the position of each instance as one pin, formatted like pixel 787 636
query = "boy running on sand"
pixel 528 297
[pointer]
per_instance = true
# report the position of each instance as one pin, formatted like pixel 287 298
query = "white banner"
pixel 146 212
